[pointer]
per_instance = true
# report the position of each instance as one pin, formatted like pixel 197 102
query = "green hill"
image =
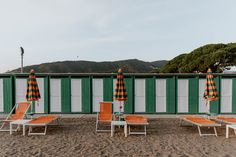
pixel 128 66
pixel 215 56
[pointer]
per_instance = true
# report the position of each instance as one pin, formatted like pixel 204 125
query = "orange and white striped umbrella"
pixel 210 93
pixel 120 91
pixel 32 93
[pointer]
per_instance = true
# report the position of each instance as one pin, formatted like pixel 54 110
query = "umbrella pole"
pixel 208 107
pixel 32 105
pixel 120 111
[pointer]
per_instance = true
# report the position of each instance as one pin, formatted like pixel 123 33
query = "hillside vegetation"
pixel 215 56
pixel 128 66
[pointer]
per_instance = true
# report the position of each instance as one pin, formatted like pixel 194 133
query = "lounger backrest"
pixel 105 111
pixel 105 107
pixel 43 119
pixel 20 110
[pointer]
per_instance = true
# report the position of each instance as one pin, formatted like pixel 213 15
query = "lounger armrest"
pixel 5 120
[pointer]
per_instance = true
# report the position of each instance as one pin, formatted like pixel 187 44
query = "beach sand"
pixel 77 137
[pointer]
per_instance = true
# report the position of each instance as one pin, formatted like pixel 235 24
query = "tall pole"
pixel 22 53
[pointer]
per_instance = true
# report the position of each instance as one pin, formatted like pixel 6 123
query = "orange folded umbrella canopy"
pixel 32 93
pixel 120 91
pixel 210 93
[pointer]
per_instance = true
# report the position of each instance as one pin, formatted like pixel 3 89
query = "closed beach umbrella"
pixel 120 91
pixel 210 93
pixel 32 93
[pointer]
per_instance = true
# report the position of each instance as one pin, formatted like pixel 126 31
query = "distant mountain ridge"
pixel 216 56
pixel 128 66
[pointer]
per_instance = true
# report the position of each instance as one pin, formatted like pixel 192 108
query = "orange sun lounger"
pixel 104 116
pixel 136 120
pixel 42 121
pixel 20 109
pixel 201 122
pixel 226 120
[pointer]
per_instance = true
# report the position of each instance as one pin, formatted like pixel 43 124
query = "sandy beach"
pixel 77 137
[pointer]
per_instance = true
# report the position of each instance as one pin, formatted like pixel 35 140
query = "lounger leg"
pixel 129 129
pixel 101 130
pixel 18 127
pixel 3 124
pixel 45 130
pixel 23 130
pixel 234 131
pixel 125 130
pixel 58 123
pixel 227 131
pixel 10 129
pixel 30 130
pixel 200 133
pixel 145 129
pixel 112 130
pixel 7 129
pixel 215 131
pixel 96 126
pixel 199 130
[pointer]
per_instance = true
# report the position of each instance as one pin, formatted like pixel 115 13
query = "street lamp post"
pixel 22 53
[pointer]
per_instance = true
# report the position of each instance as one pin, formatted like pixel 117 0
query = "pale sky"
pixel 109 30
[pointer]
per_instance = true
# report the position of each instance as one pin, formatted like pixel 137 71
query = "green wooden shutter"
pixel 108 89
pixel 8 94
pixel 171 95
pixel 150 95
pixel 234 96
pixel 46 95
pixel 65 95
pixel 215 105
pixel 129 104
pixel 193 95
pixel 86 95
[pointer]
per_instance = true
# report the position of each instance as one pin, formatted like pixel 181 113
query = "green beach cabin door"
pixel 139 96
pixel 21 87
pixel 182 102
pixel 161 95
pixel 76 95
pixel 97 93
pixel 226 96
pixel 55 95
pixel 39 108
pixel 202 108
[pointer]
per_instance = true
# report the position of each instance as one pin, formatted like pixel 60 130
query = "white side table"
pixel 118 123
pixel 18 122
pixel 227 129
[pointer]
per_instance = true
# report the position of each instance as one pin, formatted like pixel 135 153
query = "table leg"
pixel 129 129
pixel 23 130
pixel 10 129
pixel 227 131
pixel 125 129
pixel 145 129
pixel 112 130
